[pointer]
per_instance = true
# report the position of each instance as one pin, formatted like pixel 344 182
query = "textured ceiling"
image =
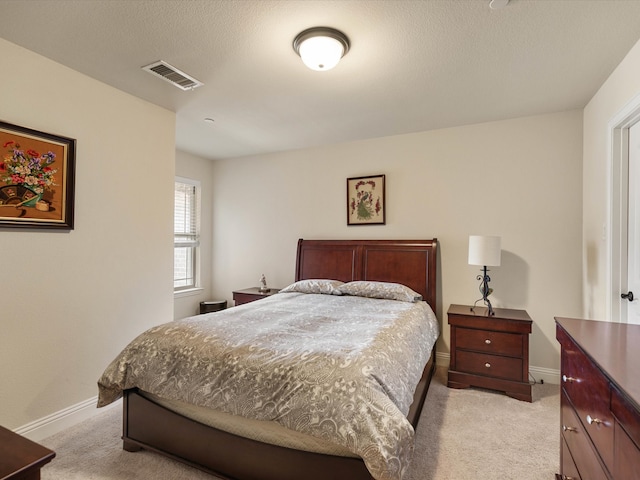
pixel 413 65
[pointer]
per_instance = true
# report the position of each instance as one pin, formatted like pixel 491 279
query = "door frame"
pixel 618 196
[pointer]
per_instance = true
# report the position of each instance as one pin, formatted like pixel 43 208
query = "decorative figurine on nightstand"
pixel 484 250
pixel 263 284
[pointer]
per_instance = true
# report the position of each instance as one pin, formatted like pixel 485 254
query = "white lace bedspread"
pixel 341 368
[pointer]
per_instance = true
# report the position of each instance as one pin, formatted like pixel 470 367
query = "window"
pixel 186 235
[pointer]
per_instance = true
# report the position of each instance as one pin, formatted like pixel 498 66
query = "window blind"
pixel 186 235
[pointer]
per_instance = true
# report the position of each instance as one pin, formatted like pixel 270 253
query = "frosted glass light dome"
pixel 321 53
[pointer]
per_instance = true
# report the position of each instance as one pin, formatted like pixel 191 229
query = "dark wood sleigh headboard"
pixel 409 262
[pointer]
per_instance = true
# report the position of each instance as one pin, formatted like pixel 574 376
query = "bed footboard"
pixel 153 427
pixel 150 426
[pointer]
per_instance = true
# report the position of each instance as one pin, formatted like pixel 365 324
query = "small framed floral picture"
pixel 365 200
pixel 37 178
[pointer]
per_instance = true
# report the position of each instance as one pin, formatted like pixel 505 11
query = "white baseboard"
pixel 549 375
pixel 442 359
pixel 58 421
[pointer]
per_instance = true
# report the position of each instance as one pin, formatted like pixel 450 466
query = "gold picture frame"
pixel 37 178
pixel 366 200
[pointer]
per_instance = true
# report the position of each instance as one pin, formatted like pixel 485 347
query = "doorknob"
pixel 628 296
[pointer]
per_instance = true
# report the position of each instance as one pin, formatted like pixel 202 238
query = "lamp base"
pixel 485 291
pixel 490 312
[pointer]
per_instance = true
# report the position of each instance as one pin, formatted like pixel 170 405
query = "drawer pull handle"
pixel 487 341
pixel 568 379
pixel 569 429
pixel 488 365
pixel 591 420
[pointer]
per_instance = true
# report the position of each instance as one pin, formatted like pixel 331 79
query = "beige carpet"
pixel 463 435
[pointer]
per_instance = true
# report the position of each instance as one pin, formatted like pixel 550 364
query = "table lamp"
pixel 484 250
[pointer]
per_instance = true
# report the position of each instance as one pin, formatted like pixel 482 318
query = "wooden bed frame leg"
pixel 130 446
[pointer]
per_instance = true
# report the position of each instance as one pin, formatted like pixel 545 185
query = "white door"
pixel 633 228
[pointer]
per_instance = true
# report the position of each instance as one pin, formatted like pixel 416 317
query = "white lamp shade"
pixel 484 250
pixel 321 53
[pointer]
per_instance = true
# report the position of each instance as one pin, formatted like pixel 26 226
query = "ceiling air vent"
pixel 173 75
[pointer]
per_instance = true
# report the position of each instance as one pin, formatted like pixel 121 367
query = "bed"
pixel 173 428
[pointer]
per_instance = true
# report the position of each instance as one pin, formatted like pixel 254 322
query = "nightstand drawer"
pixel 490 365
pixel 240 297
pixel 490 342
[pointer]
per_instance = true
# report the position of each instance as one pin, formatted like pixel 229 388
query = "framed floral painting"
pixel 37 178
pixel 365 200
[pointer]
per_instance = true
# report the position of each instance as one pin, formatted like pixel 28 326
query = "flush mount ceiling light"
pixel 321 48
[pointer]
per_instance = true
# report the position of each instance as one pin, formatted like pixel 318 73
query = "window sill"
pixel 188 292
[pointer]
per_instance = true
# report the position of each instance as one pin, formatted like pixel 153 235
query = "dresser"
pixel 490 351
pixel 600 409
pixel 251 295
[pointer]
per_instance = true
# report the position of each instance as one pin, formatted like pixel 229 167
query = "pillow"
pixel 327 287
pixel 385 290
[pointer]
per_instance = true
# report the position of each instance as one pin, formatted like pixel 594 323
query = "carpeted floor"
pixel 463 435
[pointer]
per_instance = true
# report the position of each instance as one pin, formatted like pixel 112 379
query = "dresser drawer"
pixel 490 342
pixel 582 452
pixel 569 469
pixel 589 392
pixel 627 415
pixel 491 365
pixel 627 456
pixel 627 437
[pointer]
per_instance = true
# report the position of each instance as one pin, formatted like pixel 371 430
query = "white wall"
pixel 520 179
pixel 71 300
pixel 619 89
pixel 197 168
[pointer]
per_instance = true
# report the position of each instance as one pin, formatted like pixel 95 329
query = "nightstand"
pixel 20 458
pixel 490 352
pixel 251 295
